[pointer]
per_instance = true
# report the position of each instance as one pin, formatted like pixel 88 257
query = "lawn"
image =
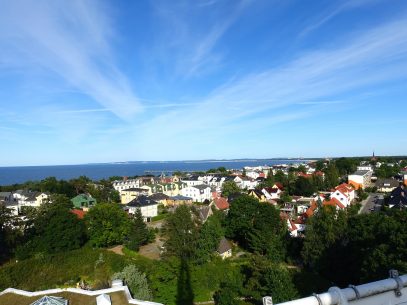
pixel 118 298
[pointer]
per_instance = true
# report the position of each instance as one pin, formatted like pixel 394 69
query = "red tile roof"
pixel 221 203
pixel 79 213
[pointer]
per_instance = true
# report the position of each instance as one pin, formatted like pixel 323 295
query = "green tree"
pixel 268 278
pixel 324 228
pixel 319 165
pixel 229 187
pixel 370 246
pixel 225 296
pixel 107 224
pixel 181 229
pixel 331 176
pixel 256 227
pixel 136 281
pixel 304 187
pixel 9 234
pixel 138 234
pixel 210 235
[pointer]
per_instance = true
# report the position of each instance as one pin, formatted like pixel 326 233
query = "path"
pixel 118 250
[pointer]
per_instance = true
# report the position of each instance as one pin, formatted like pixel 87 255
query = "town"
pixel 280 216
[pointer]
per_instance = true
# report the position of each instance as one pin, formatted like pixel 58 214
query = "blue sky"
pixel 101 81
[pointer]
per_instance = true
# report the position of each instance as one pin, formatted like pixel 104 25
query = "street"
pixel 373 203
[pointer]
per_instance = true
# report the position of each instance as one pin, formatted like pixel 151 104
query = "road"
pixel 370 204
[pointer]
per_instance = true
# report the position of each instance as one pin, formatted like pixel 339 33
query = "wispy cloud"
pixel 72 41
pixel 333 12
pixel 193 30
pixel 313 80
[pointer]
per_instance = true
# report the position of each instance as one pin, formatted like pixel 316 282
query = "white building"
pixel 345 193
pixel 147 206
pixel 192 181
pixel 198 193
pixel 360 179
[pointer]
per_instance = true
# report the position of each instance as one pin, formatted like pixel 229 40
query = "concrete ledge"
pixel 95 293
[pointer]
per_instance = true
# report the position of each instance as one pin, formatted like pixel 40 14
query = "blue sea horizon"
pixel 96 171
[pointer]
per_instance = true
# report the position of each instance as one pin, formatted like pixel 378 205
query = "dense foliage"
pixel 107 224
pixel 136 281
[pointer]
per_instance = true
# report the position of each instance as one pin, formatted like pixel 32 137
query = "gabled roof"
pixel 224 246
pixel 158 196
pixel 201 186
pixel 204 213
pixel 141 201
pixel 180 197
pixel 221 203
pixel 79 213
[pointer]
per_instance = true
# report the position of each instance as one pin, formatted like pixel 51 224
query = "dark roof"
pixel 224 245
pixel 398 198
pixel 180 197
pixel 387 183
pixel 135 189
pixel 159 196
pixel 361 172
pixel 201 186
pixel 141 201
pixel 204 213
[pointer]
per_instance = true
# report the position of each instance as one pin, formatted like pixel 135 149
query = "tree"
pixel 136 281
pixel 80 184
pixel 210 235
pixel 139 234
pixel 268 278
pixel 370 246
pixel 256 227
pixel 9 234
pixel 304 187
pixel 324 228
pixel 107 224
pixel 229 187
pixel 319 165
pixel 331 176
pixel 51 229
pixel 225 296
pixel 181 229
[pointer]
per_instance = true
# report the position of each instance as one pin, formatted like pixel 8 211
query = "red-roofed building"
pixel 221 203
pixel 79 213
pixel 271 193
pixel 345 193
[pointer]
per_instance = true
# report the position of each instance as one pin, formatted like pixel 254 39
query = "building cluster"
pixel 16 201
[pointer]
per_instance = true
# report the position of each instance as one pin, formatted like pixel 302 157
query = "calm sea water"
pixel 10 175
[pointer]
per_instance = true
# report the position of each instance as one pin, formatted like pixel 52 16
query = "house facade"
pixel 198 193
pixel 360 179
pixel 147 207
pixel 83 201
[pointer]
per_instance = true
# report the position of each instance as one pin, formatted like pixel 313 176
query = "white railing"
pixel 391 291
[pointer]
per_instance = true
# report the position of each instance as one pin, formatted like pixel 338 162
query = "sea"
pixel 19 174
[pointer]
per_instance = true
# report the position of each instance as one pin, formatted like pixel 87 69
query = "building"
pixel 386 185
pixel 178 200
pixel 198 193
pixel 224 248
pixel 221 203
pixel 83 201
pixel 128 195
pixel 345 193
pixel 147 207
pixel 360 179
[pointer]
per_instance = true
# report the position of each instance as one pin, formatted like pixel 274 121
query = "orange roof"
pixel 79 213
pixel 332 202
pixel 279 185
pixel 221 203
pixel 293 227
